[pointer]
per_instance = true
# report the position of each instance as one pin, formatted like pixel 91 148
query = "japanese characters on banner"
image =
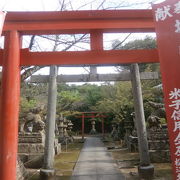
pixel 2 17
pixel 174 97
pixel 167 27
pixel 167 11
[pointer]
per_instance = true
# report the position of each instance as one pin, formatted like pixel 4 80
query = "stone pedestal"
pixel 159 145
pixel 158 142
pixel 47 174
pixel 146 172
pixel 31 149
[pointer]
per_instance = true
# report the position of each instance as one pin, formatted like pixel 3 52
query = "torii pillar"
pixel 47 172
pixel 82 127
pixel 9 106
pixel 146 170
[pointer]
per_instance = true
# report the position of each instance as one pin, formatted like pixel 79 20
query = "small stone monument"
pixel 93 129
pixel 114 132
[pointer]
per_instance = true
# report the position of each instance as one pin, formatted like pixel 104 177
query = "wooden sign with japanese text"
pixel 2 17
pixel 167 25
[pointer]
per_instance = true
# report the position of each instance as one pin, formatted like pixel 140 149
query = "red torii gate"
pixel 13 57
pixel 94 22
pixel 93 115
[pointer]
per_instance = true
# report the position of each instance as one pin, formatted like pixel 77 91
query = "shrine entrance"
pixel 95 23
pixel 92 116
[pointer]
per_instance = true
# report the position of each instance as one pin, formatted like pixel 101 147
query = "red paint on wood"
pixel 80 21
pixel 9 107
pixel 96 40
pixel 98 57
pixel 92 116
pixel 167 23
pixel 82 126
pixel 102 127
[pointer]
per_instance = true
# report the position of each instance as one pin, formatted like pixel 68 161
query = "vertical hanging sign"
pixel 167 25
pixel 2 17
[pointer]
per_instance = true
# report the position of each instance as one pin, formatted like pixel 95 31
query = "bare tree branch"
pixel 101 5
pixel 29 72
pixel 84 5
pixel 31 42
pixel 87 70
pixel 122 41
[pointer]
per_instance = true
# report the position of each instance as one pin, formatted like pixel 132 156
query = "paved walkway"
pixel 95 163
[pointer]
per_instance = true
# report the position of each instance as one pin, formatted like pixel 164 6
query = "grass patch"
pixel 65 161
pixel 163 171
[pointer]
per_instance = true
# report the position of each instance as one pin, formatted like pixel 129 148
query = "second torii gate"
pixel 93 115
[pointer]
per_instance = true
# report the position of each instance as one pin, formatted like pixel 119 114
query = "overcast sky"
pixel 52 5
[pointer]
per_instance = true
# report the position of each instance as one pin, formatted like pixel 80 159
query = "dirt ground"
pixel 128 163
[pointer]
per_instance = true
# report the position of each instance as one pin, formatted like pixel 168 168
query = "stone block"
pixel 146 172
pixel 159 156
pixel 30 148
pixel 30 140
pixel 32 160
pixel 158 144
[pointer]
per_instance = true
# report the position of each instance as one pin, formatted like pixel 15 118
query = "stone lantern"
pixel 128 127
pixel 61 126
pixel 134 130
pixel 114 132
pixel 93 122
pixel 70 125
pixel 65 127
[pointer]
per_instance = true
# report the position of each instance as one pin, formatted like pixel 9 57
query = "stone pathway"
pixel 95 163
